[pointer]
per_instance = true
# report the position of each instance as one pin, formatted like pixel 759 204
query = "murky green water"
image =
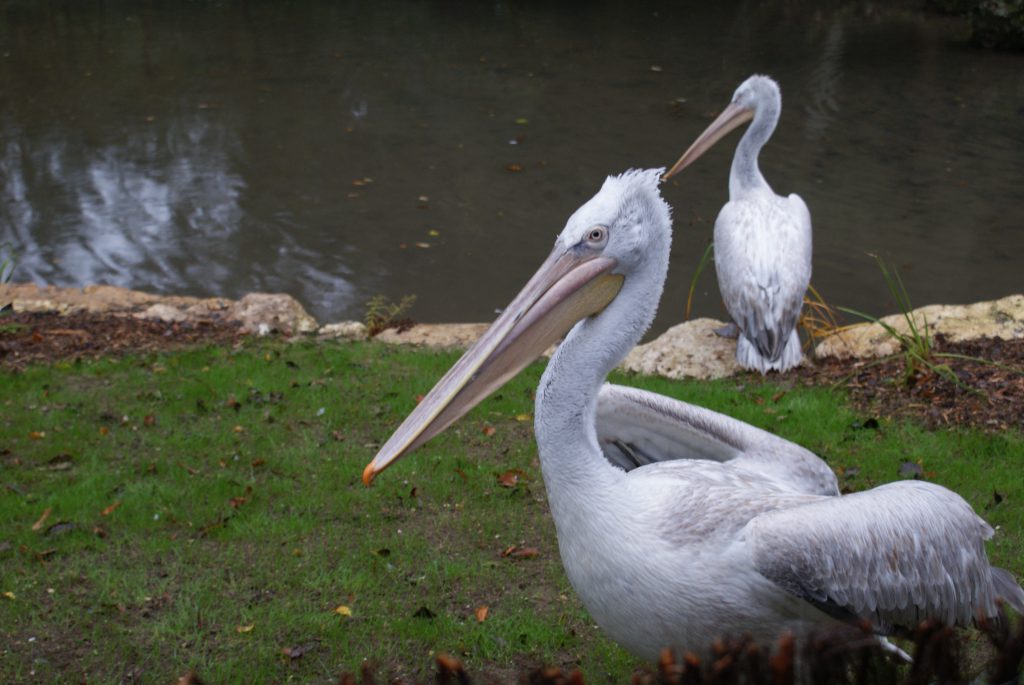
pixel 340 150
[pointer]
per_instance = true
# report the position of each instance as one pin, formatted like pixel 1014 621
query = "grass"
pixel 204 510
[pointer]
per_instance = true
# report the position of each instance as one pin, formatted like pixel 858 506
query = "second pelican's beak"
pixel 568 287
pixel 732 116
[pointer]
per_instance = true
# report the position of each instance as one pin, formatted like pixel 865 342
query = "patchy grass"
pixel 203 509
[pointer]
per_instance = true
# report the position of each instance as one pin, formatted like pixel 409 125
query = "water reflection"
pixel 217 149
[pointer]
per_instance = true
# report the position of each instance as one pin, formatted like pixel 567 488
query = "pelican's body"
pixel 762 240
pixel 677 524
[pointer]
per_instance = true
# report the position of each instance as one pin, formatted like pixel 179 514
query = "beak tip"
pixel 368 473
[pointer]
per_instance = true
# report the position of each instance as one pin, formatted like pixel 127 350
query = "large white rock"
pixel 263 313
pixel 689 350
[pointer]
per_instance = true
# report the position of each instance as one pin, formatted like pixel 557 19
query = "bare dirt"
pixel 987 393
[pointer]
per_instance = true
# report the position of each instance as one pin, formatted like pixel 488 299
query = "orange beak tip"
pixel 368 473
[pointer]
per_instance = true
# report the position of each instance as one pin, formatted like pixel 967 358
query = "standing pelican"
pixel 677 524
pixel 762 240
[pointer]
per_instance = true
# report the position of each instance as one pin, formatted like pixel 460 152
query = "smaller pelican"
pixel 762 240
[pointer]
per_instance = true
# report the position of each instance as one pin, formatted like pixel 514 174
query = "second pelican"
pixel 762 240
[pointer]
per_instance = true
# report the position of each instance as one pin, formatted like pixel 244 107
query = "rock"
pixel 443 335
pixel 262 313
pixel 98 299
pixel 343 330
pixel 162 312
pixel 689 350
pixel 1003 318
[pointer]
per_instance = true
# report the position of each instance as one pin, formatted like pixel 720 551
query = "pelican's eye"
pixel 597 236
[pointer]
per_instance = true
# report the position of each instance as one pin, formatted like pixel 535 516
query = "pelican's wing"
pixel 636 427
pixel 896 555
pixel 763 262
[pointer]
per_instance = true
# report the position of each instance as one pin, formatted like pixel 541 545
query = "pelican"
pixel 676 524
pixel 762 240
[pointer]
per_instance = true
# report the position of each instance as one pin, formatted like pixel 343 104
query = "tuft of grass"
pixel 382 313
pixel 917 345
pixel 204 510
pixel 705 259
pixel 819 319
pixel 7 262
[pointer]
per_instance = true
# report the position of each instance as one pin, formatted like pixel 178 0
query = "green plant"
pixel 916 344
pixel 382 313
pixel 7 262
pixel 701 265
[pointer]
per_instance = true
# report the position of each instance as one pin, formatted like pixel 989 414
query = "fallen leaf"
pixel 238 429
pixel 293 652
pixel 42 519
pixel 104 430
pixel 778 396
pixel 37 435
pixel 514 168
pixel 59 528
pixel 236 502
pixel 62 462
pixel 109 509
pixel 190 678
pixel 149 420
pixel 99 531
pixel 481 613
pixel 433 233
pixel 423 245
pixel 517 552
pixel 509 479
pixel 342 610
pixel 522 121
pixel 10 595
pixel 524 417
pixel 489 430
pixel 245 629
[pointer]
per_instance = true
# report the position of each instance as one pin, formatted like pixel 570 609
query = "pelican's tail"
pixel 749 357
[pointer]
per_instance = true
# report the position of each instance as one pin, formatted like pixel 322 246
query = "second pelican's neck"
pixel 745 175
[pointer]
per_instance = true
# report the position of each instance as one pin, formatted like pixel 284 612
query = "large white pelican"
pixel 677 524
pixel 762 240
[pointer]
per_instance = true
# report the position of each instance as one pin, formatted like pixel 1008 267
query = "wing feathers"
pixel 897 554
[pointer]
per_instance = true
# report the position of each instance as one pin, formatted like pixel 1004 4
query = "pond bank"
pixel 687 350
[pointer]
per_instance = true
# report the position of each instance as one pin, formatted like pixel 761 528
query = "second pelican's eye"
pixel 597 236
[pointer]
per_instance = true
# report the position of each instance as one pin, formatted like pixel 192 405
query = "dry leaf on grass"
pixel 42 519
pixel 110 508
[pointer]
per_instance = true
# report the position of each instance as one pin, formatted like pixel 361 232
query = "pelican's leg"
pixel 729 330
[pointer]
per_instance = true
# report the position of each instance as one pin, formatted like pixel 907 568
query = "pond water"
pixel 340 150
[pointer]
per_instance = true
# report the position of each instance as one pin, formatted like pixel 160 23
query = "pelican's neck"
pixel 746 175
pixel 566 404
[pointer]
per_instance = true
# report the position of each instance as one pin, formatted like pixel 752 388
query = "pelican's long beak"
pixel 568 287
pixel 731 117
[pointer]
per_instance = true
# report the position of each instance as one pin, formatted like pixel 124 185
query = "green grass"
pixel 206 512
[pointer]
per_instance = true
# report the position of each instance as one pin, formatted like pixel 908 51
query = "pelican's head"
pixel 621 231
pixel 757 96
